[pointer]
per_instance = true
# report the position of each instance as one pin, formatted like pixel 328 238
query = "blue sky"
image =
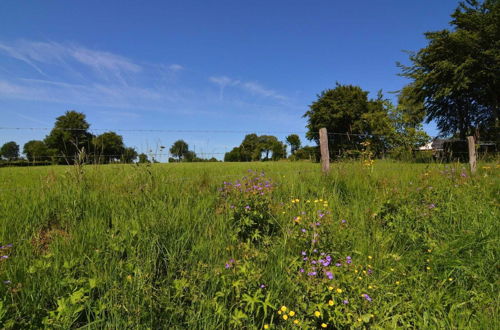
pixel 198 65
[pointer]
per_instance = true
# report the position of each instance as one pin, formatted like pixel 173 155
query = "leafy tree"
pixel 70 135
pixel 129 155
pixel 250 148
pixel 190 156
pixel 179 149
pixel 143 159
pixel 10 150
pixel 457 75
pixel 234 155
pixel 37 150
pixel 294 141
pixel 108 147
pixel 350 116
pixel 267 144
pixel 278 150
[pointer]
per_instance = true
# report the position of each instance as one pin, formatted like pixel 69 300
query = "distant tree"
pixel 307 152
pixel 279 150
pixel 108 147
pixel 457 75
pixel 266 144
pixel 190 156
pixel 250 148
pixel 10 151
pixel 37 151
pixel 294 141
pixel 143 159
pixel 234 155
pixel 179 149
pixel 129 155
pixel 69 136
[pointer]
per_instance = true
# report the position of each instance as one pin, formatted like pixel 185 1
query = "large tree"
pixel 179 149
pixel 108 147
pixel 10 150
pixel 70 136
pixel 349 117
pixel 457 75
pixel 37 151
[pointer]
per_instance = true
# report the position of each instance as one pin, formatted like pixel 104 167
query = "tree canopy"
pixel 108 147
pixel 69 136
pixel 294 141
pixel 457 75
pixel 10 150
pixel 179 149
pixel 37 151
pixel 254 147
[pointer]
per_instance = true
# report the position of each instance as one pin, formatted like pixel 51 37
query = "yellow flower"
pixel 285 317
pixel 129 277
pixel 297 200
pixel 330 288
pixel 356 271
pixel 292 313
pixel 428 268
pixel 359 320
pixel 317 314
pixel 324 325
pixel 330 302
pixel 364 272
pixel 360 278
pixel 315 201
pixel 450 279
pixel 370 287
pixel 296 321
pixel 266 326
pixel 392 269
pixel 279 312
pixel 339 290
pixel 397 282
pixel 283 308
pixel 320 200
pixel 429 250
pixel 370 257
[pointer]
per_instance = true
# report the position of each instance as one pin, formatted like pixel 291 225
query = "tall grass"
pixel 127 246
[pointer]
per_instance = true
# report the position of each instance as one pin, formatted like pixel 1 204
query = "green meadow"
pixel 250 245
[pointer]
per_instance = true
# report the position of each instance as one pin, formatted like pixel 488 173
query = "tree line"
pixel 70 141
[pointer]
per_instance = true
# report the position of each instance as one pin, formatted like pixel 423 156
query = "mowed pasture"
pixel 250 245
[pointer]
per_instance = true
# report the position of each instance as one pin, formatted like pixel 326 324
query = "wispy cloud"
pixel 175 67
pixel 258 89
pixel 223 82
pixel 251 87
pixel 36 54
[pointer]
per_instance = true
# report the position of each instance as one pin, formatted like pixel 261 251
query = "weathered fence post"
pixel 325 155
pixel 472 154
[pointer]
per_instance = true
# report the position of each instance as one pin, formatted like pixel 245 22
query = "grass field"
pixel 213 246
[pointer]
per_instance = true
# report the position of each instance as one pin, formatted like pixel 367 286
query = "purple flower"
pixel 367 297
pixel 302 270
pixel 304 253
pixel 318 223
pixel 348 258
pixel 329 275
pixel 262 286
pixel 345 301
pixel 305 258
pixel 315 250
pixel 228 265
pixel 463 175
pixel 321 215
pixel 231 260
pixel 326 263
pixel 370 271
pixel 344 221
pixel 4 257
pixel 328 258
pixel 313 262
pixel 232 206
pixel 312 273
pixel 247 207
pixel 431 206
pixel 303 230
pixel 338 264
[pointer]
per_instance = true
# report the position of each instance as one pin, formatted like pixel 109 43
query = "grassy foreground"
pixel 213 246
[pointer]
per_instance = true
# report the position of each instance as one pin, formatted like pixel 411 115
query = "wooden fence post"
pixel 472 154
pixel 325 155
